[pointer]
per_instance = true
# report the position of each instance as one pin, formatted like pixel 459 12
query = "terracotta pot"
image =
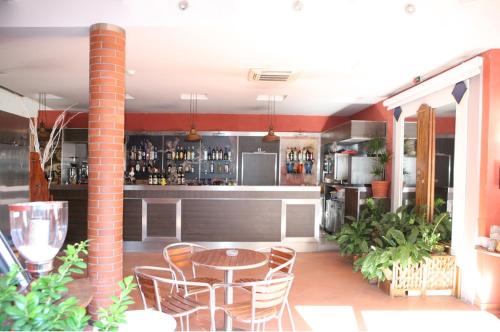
pixel 380 189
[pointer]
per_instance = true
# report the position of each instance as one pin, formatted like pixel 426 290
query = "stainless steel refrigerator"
pixel 14 165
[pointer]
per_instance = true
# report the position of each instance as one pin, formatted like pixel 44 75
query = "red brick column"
pixel 106 161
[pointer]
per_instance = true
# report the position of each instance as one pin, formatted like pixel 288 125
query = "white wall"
pixel 15 104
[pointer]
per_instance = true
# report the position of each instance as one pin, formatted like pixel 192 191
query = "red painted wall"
pixel 212 122
pixel 445 126
pixel 489 192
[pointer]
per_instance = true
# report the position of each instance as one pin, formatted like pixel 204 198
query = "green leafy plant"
pixel 353 238
pixel 42 307
pixel 110 318
pixel 404 236
pixel 376 147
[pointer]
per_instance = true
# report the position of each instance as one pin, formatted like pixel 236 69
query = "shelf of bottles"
pixel 170 160
pixel 299 160
pixel 218 160
pixel 181 160
pixel 144 156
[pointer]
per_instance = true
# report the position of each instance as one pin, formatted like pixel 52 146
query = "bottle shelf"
pixel 182 161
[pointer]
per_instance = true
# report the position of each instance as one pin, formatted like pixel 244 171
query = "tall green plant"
pixel 377 148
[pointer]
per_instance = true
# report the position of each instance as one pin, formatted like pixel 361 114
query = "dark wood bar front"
pixel 209 214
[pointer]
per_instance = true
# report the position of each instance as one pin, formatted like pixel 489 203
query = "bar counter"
pixel 235 214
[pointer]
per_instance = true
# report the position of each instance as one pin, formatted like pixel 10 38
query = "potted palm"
pixel 380 184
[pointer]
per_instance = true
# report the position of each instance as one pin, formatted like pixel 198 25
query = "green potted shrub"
pixel 353 238
pixel 380 184
pixel 404 237
pixel 44 308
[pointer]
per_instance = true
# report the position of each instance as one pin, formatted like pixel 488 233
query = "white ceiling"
pixel 347 53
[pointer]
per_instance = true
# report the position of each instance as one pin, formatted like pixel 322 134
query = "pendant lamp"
pixel 193 136
pixel 271 136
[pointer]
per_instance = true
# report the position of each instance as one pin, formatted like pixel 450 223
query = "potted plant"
pixel 353 238
pixel 43 306
pixel 380 185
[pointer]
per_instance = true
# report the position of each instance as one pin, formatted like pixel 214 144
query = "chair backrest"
pixel 152 283
pixel 281 259
pixel 178 257
pixel 271 293
pixel 159 289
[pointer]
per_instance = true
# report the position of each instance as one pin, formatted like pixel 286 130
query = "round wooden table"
pixel 218 259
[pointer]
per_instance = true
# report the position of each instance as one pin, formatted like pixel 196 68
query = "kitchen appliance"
pixel 14 165
pixel 334 212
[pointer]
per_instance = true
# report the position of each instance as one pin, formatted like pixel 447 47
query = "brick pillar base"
pixel 105 159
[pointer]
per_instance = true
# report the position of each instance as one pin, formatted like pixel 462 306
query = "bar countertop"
pixel 146 187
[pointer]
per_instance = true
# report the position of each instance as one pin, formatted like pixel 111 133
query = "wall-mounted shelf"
pixel 486 252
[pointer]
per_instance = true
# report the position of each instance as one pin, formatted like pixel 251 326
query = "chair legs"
pixel 292 323
pixel 182 323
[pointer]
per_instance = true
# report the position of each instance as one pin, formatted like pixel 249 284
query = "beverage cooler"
pixel 334 201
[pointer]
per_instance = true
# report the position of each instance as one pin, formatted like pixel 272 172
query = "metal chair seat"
pixel 193 290
pixel 243 312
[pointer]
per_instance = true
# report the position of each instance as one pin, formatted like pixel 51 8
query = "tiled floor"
pixel 328 296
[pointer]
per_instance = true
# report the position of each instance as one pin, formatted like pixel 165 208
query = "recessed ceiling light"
pixel 130 72
pixel 127 96
pixel 298 5
pixel 269 97
pixel 194 96
pixel 183 4
pixel 410 8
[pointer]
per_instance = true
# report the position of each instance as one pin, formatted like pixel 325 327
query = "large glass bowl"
pixel 38 230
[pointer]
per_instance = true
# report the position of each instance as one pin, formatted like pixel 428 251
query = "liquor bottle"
pixel 169 169
pixel 213 154
pixel 193 153
pixel 155 179
pixel 226 168
pixel 212 169
pixel 188 154
pixel 163 180
pixel 181 154
pixel 150 179
pixel 205 153
pixel 169 154
pixel 132 154
pixel 229 153
pixel 226 156
pixel 137 167
pixel 138 155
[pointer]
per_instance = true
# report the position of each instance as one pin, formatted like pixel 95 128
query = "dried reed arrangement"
pixel 55 136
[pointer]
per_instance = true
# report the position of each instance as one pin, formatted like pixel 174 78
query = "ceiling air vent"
pixel 266 75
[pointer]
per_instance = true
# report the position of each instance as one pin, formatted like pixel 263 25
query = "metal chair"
pixel 281 259
pixel 268 299
pixel 178 258
pixel 158 287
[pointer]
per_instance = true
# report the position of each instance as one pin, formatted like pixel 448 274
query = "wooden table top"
pixel 218 259
pixel 81 289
